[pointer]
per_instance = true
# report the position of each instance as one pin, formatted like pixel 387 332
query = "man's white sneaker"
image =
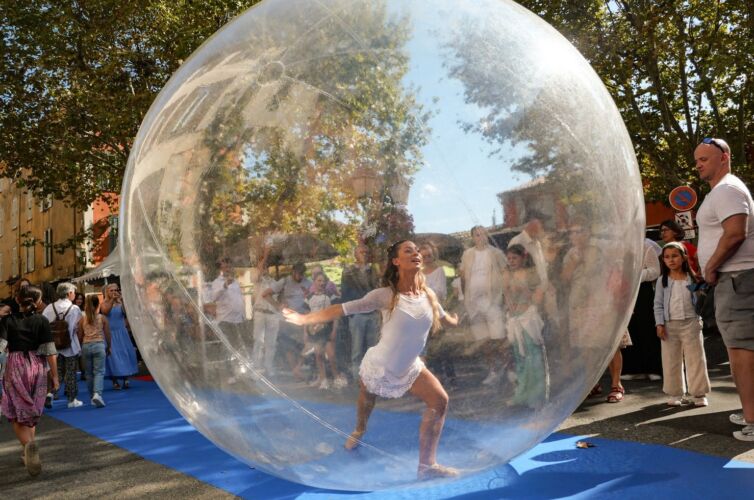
pixel 97 401
pixel 745 434
pixel 738 419
pixel 75 403
pixel 654 377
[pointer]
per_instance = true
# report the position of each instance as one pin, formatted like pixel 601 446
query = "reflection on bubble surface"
pixel 320 133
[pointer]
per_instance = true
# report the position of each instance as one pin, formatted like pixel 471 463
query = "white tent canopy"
pixel 108 267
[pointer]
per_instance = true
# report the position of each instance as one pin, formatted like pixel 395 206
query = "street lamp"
pixel 365 182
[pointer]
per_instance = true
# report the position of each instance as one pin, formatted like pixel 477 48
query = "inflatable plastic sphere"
pixel 310 135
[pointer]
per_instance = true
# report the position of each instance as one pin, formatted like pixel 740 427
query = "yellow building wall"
pixel 31 222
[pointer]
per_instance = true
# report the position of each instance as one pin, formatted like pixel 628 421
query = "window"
pixel 113 236
pixel 29 205
pixel 29 258
pixel 45 203
pixel 48 247
pixel 14 213
pixel 14 262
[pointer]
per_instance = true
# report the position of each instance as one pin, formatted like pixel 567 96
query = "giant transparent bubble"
pixel 304 129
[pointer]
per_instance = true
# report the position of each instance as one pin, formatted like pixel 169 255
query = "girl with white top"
pixel 680 329
pixel 434 274
pixel 392 367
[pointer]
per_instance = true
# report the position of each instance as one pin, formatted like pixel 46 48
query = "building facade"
pixel 31 232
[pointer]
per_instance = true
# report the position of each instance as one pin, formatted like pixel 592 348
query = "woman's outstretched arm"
pixel 322 316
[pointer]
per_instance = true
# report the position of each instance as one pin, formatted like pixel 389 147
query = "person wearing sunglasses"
pixel 726 257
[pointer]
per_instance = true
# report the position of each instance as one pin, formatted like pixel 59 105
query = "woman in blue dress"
pixel 121 363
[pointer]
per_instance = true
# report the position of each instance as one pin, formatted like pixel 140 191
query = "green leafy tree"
pixel 77 79
pixel 678 71
pixel 343 111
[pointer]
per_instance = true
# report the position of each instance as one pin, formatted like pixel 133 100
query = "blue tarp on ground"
pixel 142 421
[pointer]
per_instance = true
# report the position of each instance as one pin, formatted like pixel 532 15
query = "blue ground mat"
pixel 142 421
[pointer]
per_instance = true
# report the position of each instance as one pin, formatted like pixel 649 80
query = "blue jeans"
pixel 364 334
pixel 94 360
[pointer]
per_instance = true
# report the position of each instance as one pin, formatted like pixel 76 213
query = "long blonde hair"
pixel 390 279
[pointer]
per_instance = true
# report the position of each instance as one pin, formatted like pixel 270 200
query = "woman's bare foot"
pixel 353 440
pixel 435 471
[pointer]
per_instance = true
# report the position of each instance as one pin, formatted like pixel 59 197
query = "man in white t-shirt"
pixel 226 294
pixel 726 257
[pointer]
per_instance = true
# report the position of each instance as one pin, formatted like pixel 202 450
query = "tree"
pixel 325 98
pixel 77 79
pixel 678 71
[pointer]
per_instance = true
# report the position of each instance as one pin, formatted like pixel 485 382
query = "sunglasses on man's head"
pixel 712 141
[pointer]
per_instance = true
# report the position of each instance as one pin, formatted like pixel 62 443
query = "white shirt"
pixel 404 330
pixel 680 305
pixel 292 293
pixel 229 301
pixel 729 197
pixel 72 318
pixel 437 282
pixel 650 267
pixel 478 289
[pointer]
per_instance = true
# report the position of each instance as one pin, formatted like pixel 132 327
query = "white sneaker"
pixel 675 401
pixel 340 382
pixel 491 378
pixel 97 401
pixel 631 376
pixel 738 419
pixel 324 385
pixel 654 377
pixel 75 404
pixel 700 401
pixel 745 434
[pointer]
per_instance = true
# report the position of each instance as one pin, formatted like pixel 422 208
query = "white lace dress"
pixel 390 368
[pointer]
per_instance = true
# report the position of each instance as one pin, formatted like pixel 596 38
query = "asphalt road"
pixel 77 465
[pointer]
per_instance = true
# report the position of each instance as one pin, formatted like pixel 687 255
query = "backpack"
pixel 59 327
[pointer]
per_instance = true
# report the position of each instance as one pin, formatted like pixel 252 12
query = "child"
pixel 524 325
pixel 680 329
pixel 318 335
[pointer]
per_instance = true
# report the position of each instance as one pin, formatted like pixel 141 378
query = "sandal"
pixel 353 440
pixel 616 395
pixel 435 471
pixel 116 386
pixel 596 391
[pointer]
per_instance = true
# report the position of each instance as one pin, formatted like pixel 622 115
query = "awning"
pixel 108 267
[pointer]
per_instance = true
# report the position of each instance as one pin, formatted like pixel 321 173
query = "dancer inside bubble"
pixel 392 367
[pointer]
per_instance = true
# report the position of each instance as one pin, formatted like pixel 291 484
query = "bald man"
pixel 726 257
